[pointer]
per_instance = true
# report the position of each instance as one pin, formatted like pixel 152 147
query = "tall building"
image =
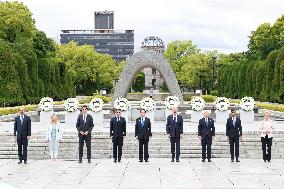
pixel 153 78
pixel 104 20
pixel 117 43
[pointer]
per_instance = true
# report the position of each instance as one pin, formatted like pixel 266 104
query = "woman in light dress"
pixel 53 137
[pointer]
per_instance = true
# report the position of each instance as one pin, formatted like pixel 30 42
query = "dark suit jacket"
pixel 22 130
pixel 232 130
pixel 204 129
pixel 81 126
pixel 174 129
pixel 117 129
pixel 145 131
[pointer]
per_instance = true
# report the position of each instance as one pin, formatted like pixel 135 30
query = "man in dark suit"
pixel 234 132
pixel 117 132
pixel 22 133
pixel 206 132
pixel 84 126
pixel 174 129
pixel 143 133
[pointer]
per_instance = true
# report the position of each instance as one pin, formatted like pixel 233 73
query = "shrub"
pixel 214 93
pixel 275 107
pixel 13 110
pixel 186 97
pixel 106 99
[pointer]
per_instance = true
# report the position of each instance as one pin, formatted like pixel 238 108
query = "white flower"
pixel 71 104
pixel 197 104
pixel 172 101
pixel 96 104
pixel 247 103
pixel 222 103
pixel 147 104
pixel 46 104
pixel 121 103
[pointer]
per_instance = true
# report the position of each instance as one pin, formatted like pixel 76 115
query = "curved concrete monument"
pixel 143 59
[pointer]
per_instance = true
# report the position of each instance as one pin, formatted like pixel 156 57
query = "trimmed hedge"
pixel 106 99
pixel 275 107
pixel 235 101
pixel 13 110
pixel 207 98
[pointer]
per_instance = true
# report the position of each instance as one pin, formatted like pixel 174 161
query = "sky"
pixel 222 25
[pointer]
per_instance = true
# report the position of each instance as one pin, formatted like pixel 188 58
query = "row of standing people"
pixel 174 129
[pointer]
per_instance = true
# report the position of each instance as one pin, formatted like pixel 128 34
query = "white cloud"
pixel 211 24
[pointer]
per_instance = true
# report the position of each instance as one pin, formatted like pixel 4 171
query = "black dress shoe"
pixel 177 160
pixel 203 160
pixel 264 160
pixel 140 160
pixel 115 161
pixel 19 162
pixel 119 160
pixel 80 161
pixel 173 160
pixel 232 160
pixel 209 160
pixel 25 162
pixel 237 160
pixel 146 160
pixel 268 160
pixel 89 161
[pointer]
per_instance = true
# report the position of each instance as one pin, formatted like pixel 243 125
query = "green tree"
pixel 138 84
pixel 10 89
pixel 16 22
pixel 91 71
pixel 261 42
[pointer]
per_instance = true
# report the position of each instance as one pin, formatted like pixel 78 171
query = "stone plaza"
pixel 158 173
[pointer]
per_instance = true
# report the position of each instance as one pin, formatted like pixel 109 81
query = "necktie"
pixel 142 121
pixel 206 119
pixel 84 118
pixel 117 119
pixel 234 121
pixel 21 117
pixel 175 119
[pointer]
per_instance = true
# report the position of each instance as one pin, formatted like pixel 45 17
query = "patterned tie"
pixel 175 119
pixel 21 117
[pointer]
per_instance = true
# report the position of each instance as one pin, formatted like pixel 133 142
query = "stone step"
pixel 108 156
pixel 159 146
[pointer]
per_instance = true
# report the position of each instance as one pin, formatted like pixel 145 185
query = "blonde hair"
pixel 266 112
pixel 53 119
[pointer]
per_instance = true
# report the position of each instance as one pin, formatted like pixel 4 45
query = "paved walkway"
pixel 158 173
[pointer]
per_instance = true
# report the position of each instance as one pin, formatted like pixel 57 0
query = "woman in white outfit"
pixel 267 128
pixel 53 137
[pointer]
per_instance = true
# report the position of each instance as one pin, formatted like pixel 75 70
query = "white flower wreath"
pixel 96 104
pixel 71 104
pixel 222 104
pixel 121 103
pixel 172 101
pixel 147 104
pixel 46 104
pixel 197 104
pixel 247 103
